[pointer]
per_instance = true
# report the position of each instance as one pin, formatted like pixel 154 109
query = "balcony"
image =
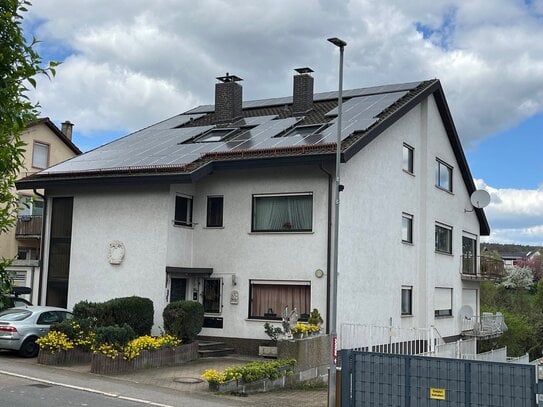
pixel 28 227
pixel 487 326
pixel 478 268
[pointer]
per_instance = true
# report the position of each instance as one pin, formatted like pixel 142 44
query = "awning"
pixel 189 271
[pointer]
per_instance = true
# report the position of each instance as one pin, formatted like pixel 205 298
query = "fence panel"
pixel 378 379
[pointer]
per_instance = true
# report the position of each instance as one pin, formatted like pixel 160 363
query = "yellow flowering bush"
pixel 313 328
pixel 108 350
pixel 135 346
pixel 55 342
pixel 214 376
pixel 300 328
pixel 251 372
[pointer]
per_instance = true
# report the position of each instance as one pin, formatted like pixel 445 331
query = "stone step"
pixel 207 353
pixel 208 345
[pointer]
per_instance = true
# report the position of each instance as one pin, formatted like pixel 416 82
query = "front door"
pixel 178 289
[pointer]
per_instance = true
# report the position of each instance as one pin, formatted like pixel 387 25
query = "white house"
pixel 232 205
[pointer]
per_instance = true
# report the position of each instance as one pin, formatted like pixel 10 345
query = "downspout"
pixel 329 246
pixel 42 244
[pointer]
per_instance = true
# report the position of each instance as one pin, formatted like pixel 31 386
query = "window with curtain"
pixel 268 299
pixel 214 211
pixel 283 213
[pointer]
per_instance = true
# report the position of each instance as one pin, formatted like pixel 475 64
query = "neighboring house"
pixel 232 205
pixel 46 145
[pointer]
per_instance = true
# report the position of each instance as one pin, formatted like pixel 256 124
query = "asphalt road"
pixel 18 392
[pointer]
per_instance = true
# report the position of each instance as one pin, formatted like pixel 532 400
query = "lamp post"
pixel 333 286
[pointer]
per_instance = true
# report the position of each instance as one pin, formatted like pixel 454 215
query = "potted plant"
pixel 315 318
pixel 273 332
pixel 299 330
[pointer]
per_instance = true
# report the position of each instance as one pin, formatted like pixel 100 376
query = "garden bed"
pixel 64 357
pixel 105 365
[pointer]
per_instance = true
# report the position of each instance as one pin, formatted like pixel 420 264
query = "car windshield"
pixel 14 314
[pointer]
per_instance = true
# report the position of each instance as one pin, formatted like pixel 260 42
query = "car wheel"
pixel 29 348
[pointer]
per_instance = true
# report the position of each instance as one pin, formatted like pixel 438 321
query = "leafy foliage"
pixel 19 65
pixel 114 335
pixel 272 331
pixel 183 319
pixel 518 278
pixel 135 311
pixel 251 372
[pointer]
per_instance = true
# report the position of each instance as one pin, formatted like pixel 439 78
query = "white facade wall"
pixel 143 220
pixel 374 264
pixel 136 217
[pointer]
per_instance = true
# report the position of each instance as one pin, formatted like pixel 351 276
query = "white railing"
pixel 494 355
pixel 388 339
pixel 487 324
pixel 454 350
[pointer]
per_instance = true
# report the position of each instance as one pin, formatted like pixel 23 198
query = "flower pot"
pixel 298 335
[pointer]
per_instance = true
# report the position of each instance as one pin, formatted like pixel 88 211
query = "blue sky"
pixel 128 64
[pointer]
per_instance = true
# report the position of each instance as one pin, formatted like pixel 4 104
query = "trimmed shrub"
pixel 183 319
pixel 115 334
pixel 135 311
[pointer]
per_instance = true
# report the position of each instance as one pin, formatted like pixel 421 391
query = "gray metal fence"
pixel 377 379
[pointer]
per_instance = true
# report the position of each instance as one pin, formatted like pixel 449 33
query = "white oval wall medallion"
pixel 116 252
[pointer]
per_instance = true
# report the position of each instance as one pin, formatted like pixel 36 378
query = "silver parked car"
pixel 20 327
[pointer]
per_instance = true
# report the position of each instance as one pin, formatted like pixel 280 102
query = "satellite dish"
pixel 466 312
pixel 480 199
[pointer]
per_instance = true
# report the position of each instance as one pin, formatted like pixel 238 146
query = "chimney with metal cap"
pixel 228 98
pixel 302 100
pixel 66 128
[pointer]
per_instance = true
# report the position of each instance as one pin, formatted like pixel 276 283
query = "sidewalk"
pixel 181 380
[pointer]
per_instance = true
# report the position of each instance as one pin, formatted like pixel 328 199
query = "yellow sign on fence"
pixel 437 394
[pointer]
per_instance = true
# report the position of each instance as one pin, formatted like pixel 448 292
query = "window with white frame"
pixel 443 238
pixel 40 155
pixel 443 302
pixel 469 254
pixel 269 298
pixel 444 173
pixel 183 210
pixel 407 228
pixel 408 155
pixel 407 300
pixel 283 213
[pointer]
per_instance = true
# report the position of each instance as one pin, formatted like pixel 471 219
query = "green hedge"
pixel 115 334
pixel 183 319
pixel 137 312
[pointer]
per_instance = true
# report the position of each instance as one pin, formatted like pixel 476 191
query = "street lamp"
pixel 333 286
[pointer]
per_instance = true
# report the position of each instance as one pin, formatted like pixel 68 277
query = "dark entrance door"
pixel 178 289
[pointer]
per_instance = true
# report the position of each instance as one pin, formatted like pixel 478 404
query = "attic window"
pixel 215 135
pixel 303 131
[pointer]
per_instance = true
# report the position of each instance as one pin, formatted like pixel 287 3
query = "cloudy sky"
pixel 127 64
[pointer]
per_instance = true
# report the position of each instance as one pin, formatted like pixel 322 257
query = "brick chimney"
pixel 67 128
pixel 228 98
pixel 302 100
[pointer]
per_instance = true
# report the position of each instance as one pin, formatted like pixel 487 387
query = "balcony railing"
pixel 28 227
pixel 481 268
pixel 486 326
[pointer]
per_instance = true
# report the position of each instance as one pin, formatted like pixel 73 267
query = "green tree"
pixel 20 63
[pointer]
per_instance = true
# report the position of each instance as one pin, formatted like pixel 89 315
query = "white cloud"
pixel 515 215
pixel 490 59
